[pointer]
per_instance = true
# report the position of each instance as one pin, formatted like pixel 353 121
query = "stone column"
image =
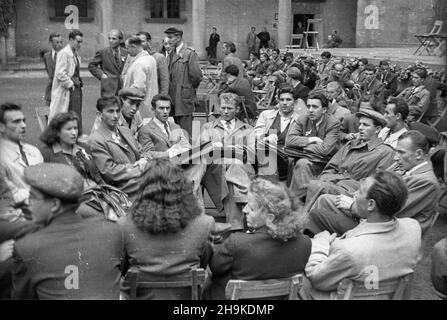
pixel 199 27
pixel 106 20
pixel 11 45
pixel 285 21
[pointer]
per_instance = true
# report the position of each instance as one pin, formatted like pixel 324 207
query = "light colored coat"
pixel 62 83
pixel 141 73
pixel 389 249
pixel 265 121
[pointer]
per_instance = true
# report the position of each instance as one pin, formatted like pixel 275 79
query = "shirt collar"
pixel 233 122
pixel 57 148
pixel 177 50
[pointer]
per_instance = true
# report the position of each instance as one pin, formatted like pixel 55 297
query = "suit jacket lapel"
pixel 159 133
pixel 129 142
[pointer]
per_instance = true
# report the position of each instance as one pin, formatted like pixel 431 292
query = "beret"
pixel 173 30
pixel 56 180
pixel 371 114
pixel 131 93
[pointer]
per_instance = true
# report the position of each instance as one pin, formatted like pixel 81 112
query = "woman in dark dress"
pixel 275 248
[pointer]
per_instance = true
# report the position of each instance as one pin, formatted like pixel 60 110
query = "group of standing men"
pixel 134 65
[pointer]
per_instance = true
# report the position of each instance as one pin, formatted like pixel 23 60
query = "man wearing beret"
pixel 70 257
pixel 356 160
pixel 338 214
pixel 115 150
pixel 185 78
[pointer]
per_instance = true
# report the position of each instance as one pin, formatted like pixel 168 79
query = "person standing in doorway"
pixel 214 40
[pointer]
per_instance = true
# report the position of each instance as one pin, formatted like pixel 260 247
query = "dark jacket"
pixel 256 256
pixel 300 91
pixel 50 66
pixel 71 258
pixel 185 78
pixel 168 255
pixel 214 40
pixel 105 62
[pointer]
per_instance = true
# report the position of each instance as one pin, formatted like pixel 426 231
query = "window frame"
pixel 165 19
pixel 90 12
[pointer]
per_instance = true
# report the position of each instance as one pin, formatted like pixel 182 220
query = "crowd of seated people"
pixel 332 166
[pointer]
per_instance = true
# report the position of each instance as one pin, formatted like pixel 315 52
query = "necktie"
pixel 168 130
pixel 55 57
pixel 117 57
pixel 228 127
pixel 23 154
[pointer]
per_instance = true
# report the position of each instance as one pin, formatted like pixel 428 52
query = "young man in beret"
pixel 69 257
pixel 185 78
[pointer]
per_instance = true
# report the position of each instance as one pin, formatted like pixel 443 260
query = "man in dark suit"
pixel 49 59
pixel 71 256
pixel 214 40
pixel 108 64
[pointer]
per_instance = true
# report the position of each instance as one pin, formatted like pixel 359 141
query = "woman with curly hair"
pixel 166 233
pixel 275 248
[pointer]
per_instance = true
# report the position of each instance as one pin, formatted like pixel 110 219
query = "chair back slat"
pixel 42 114
pixel 387 290
pixel 261 289
pixel 195 280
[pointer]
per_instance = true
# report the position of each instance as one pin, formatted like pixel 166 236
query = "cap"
pixel 57 180
pixel 131 93
pixel 174 30
pixel 371 114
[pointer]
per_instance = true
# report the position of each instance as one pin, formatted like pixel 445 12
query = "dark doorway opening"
pixel 300 24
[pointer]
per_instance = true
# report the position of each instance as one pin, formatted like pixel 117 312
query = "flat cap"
pixel 371 114
pixel 174 30
pixel 56 180
pixel 131 93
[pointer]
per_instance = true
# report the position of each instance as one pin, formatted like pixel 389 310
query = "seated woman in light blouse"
pixel 275 248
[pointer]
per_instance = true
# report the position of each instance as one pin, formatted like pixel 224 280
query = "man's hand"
pixel 141 164
pixel 326 235
pixel 351 136
pixel 104 76
pixel 315 140
pixel 6 249
pixel 273 139
pixel 344 202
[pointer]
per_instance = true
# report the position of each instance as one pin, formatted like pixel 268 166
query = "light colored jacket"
pixel 266 120
pixel 62 83
pixel 141 73
pixel 383 251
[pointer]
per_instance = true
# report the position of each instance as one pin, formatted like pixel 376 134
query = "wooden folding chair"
pixel 264 289
pixel 295 38
pixel 195 281
pixel 42 114
pixel 398 289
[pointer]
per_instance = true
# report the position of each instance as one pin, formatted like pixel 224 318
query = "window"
pixel 85 7
pixel 165 11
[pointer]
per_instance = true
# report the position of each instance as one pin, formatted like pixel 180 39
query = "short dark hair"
pixel 401 106
pixel 54 35
pixel 364 61
pixel 232 69
pixel 72 35
pixel 288 54
pixel 418 140
pixel 231 46
pixel 160 97
pixel 134 40
pixel 384 63
pixel 370 67
pixel 8 107
pixel 326 54
pixel 389 192
pixel 421 72
pixel 51 134
pixel 276 50
pixel 320 95
pixel 255 54
pixel 285 89
pixel 103 103
pixel 146 34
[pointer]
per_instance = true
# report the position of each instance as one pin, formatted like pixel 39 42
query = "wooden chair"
pixel 195 281
pixel 295 38
pixel 263 289
pixel 42 114
pixel 398 289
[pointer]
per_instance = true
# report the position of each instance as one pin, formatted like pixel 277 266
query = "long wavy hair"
pixel 51 134
pixel 274 198
pixel 166 202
